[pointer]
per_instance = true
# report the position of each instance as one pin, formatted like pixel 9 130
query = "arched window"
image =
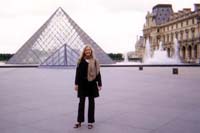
pixel 183 52
pixel 168 52
pixel 190 52
pixel 193 32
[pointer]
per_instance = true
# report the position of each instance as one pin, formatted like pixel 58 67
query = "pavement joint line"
pixel 165 124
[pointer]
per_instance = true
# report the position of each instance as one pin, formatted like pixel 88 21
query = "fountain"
pixel 147 51
pixel 126 61
pixel 2 63
pixel 176 55
pixel 160 55
pixel 125 57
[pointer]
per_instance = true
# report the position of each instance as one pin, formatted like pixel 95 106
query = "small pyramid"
pixel 64 56
pixel 58 33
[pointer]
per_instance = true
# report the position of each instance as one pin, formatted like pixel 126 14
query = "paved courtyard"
pixel 39 100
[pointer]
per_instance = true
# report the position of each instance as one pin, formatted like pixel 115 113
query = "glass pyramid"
pixel 59 41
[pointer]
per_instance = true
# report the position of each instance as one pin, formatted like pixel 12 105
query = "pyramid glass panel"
pixel 57 37
pixel 64 56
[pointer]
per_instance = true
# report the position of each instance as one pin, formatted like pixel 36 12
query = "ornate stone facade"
pixel 183 25
pixel 139 48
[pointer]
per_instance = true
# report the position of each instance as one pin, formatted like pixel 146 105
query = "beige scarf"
pixel 93 69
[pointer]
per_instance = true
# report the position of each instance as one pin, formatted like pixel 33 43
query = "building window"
pixel 181 35
pixel 172 37
pixel 193 32
pixel 168 52
pixel 181 24
pixel 187 22
pixel 176 35
pixel 183 52
pixel 190 51
pixel 164 38
pixel 167 38
pixel 176 25
pixel 187 35
pixel 193 21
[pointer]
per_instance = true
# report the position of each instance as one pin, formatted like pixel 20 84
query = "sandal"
pixel 90 126
pixel 77 125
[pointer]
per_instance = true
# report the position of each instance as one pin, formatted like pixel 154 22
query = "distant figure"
pixel 87 84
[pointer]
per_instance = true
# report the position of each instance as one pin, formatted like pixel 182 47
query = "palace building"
pixel 165 26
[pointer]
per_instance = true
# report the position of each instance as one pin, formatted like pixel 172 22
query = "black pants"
pixel 81 110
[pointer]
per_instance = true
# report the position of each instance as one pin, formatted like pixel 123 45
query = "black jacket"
pixel 85 87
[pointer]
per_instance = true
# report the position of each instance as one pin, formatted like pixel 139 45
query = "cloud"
pixel 113 24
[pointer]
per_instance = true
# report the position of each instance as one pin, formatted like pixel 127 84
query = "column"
pixel 192 54
pixel 186 54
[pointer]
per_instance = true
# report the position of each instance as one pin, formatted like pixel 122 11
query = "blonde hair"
pixel 83 53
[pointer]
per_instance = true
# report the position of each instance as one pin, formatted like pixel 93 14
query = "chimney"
pixel 180 13
pixel 196 7
pixel 186 10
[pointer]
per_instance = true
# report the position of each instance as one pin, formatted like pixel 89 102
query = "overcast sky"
pixel 113 24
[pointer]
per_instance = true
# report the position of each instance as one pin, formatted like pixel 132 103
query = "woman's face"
pixel 88 51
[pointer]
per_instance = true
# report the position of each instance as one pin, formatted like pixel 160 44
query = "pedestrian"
pixel 87 84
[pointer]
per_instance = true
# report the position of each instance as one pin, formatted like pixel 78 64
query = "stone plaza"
pixel 152 100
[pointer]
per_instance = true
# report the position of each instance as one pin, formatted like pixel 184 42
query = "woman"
pixel 87 84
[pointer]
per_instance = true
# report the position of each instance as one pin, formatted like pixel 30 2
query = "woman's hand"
pixel 76 87
pixel 99 87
